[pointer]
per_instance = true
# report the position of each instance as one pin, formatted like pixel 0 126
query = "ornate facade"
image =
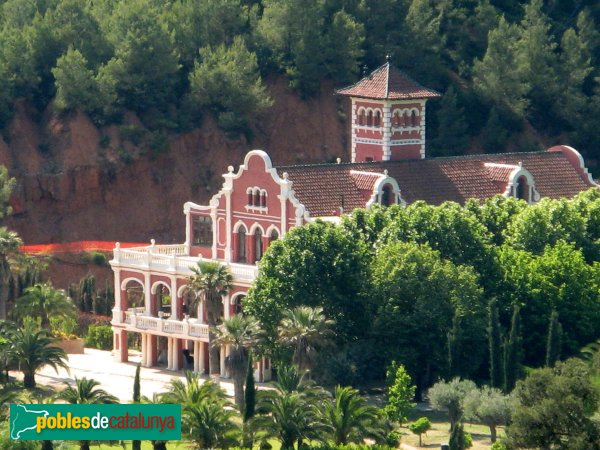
pixel 259 203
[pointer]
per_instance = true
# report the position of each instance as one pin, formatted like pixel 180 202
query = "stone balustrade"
pixel 173 258
pixel 133 320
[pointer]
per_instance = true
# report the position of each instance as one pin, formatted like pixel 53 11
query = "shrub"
pixel 85 320
pixel 99 336
pixel 393 439
pixel 498 446
pixel 63 327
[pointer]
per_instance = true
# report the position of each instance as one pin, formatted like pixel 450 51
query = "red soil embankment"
pixel 74 247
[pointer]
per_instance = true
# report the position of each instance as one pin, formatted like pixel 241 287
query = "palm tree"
pixel 208 418
pixel 85 392
pixel 289 417
pixel 43 301
pixel 304 328
pixel 211 424
pixel 241 333
pixel 32 349
pixel 193 391
pixel 211 281
pixel 9 244
pixel 351 419
pixel 291 412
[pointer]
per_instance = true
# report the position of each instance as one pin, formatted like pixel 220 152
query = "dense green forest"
pixel 511 71
pixel 476 291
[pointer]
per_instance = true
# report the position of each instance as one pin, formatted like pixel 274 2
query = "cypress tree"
pixel 454 346
pixel 513 351
pixel 136 445
pixel 494 343
pixel 249 392
pixel 554 343
pixel 457 438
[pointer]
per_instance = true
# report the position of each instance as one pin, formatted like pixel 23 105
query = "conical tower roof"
pixel 388 83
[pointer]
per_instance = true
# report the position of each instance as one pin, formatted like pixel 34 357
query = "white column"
pixel 226 307
pixel 144 351
pixel 174 299
pixel 387 134
pixel 222 355
pixel 118 290
pixel 147 294
pixel 201 367
pixel 169 354
pixel 196 356
pixel 200 311
pixel 228 252
pixel 176 354
pixel 354 131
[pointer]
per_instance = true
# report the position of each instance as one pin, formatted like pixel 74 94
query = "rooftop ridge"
pixel 407 161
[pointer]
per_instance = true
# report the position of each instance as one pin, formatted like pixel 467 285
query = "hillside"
pixel 75 184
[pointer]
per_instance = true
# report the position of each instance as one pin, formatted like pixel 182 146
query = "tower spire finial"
pixel 388 58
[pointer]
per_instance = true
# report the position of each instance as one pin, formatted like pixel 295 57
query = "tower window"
pixel 202 231
pixel 370 119
pixel 378 118
pixel 413 119
pixel 361 117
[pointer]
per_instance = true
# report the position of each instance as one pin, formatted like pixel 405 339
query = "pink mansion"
pixel 260 202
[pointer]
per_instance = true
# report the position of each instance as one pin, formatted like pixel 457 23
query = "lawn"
pixel 439 432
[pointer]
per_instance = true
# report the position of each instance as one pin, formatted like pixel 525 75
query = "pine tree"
pixel 136 445
pixel 554 343
pixel 513 351
pixel 494 135
pixel 535 60
pixel 494 343
pixel 452 137
pixel 495 75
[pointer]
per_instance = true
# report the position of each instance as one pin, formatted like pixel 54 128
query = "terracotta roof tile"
pixel 365 180
pixel 322 188
pixel 389 83
pixel 500 172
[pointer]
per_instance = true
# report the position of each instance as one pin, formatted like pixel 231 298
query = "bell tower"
pixel 388 116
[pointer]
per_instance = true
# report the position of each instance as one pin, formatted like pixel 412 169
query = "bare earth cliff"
pixel 78 182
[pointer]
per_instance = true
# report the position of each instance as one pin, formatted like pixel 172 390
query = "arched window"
pixel 241 250
pixel 361 117
pixel 258 246
pixel 256 201
pixel 396 119
pixel 370 118
pixel 274 235
pixel 404 119
pixel 387 195
pixel 263 198
pixel 522 189
pixel 238 304
pixel 250 196
pixel 378 118
pixel 413 119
